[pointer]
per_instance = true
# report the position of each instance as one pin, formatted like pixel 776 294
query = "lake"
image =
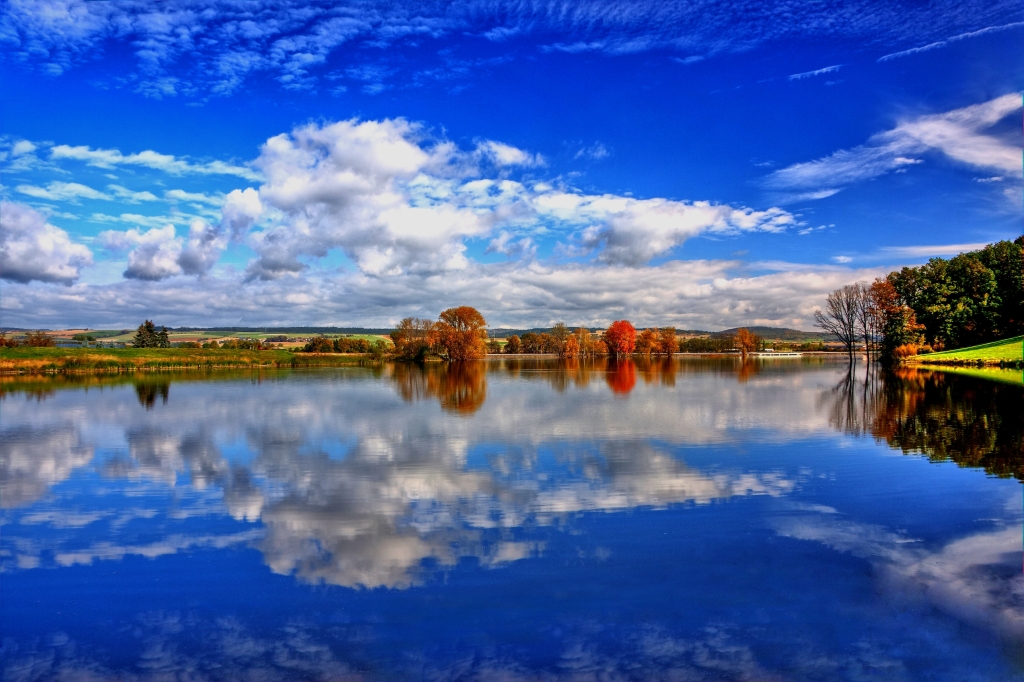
pixel 514 519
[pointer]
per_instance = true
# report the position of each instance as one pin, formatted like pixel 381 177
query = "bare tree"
pixel 841 316
pixel 865 315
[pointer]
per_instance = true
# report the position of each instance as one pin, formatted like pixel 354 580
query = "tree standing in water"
pixel 620 337
pixel 746 341
pixel 842 311
pixel 460 334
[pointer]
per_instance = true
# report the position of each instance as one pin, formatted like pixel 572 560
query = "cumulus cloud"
pixel 396 202
pixel 633 231
pixel 153 255
pixel 961 135
pixel 33 249
pixel 352 185
pixel 159 253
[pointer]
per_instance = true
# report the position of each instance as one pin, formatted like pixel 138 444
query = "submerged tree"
pixel 620 338
pixel 747 341
pixel 411 338
pixel 840 317
pixel 460 334
pixel 667 343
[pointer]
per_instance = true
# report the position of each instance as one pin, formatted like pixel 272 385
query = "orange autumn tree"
pixel 646 342
pixel 747 341
pixel 460 334
pixel 667 343
pixel 620 337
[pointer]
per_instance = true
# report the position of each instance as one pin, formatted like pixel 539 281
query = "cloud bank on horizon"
pixel 387 210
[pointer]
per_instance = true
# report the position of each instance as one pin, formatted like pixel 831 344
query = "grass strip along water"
pixel 1005 353
pixel 68 360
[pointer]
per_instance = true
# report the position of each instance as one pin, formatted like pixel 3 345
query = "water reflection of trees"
pixel 459 386
pixel 972 422
pixel 148 392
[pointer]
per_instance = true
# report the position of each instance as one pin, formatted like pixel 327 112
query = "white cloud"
pixel 947 41
pixel 206 242
pixel 213 48
pixel 595 152
pixel 196 197
pixel 506 155
pixel 153 254
pixel 959 134
pixel 933 250
pixel 109 158
pixel 842 259
pixel 62 191
pixel 816 72
pixel 22 147
pixel 33 249
pixel 397 203
pixel 130 196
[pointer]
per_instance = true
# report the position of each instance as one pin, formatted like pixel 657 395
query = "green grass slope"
pixel 1005 351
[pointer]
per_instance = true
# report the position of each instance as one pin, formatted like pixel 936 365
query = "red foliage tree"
pixel 620 337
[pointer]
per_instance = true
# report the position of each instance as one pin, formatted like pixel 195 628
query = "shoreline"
pixel 22 360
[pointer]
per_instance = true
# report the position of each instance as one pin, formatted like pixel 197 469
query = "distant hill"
pixel 287 330
pixel 779 334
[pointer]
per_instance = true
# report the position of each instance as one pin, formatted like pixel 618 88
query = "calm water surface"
pixel 514 520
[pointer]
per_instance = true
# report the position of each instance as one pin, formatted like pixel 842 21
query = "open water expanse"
pixel 514 520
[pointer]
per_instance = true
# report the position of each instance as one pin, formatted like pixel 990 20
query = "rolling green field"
pixel 1007 351
pixel 23 359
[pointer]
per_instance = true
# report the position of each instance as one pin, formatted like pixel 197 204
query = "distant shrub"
pixel 320 344
pixel 189 344
pixel 39 340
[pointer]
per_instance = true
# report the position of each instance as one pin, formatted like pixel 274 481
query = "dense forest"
pixel 972 298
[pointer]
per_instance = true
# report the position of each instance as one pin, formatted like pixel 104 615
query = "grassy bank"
pixel 1006 353
pixel 67 360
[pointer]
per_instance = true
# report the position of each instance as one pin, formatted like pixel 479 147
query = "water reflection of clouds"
pixel 34 459
pixel 976 578
pixel 404 493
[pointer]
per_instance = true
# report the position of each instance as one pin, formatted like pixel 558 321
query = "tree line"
pixel 973 298
pixel 461 334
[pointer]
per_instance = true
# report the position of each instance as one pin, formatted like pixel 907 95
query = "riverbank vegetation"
pixel 975 299
pixel 62 360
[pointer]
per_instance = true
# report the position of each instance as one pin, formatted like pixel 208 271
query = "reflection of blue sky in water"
pixel 748 536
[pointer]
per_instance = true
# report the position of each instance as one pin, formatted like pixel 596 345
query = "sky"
pixel 704 165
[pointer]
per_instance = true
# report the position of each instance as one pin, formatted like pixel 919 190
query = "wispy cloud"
pixel 947 41
pixel 816 72
pixel 109 158
pixel 62 191
pixel 961 135
pixel 212 48
pixel 931 250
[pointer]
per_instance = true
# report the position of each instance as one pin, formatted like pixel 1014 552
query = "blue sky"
pixel 704 165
